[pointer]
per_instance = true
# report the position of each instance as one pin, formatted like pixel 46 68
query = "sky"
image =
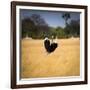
pixel 52 18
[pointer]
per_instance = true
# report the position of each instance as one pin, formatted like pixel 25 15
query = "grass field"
pixel 64 61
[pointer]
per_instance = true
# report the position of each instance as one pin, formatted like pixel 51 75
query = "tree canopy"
pixel 37 28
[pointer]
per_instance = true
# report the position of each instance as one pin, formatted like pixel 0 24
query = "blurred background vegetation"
pixel 35 27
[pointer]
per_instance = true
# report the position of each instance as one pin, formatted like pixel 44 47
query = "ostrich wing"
pixel 47 45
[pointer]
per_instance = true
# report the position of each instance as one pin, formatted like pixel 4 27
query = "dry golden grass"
pixel 64 61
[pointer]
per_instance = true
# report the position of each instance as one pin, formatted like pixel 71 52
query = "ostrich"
pixel 50 47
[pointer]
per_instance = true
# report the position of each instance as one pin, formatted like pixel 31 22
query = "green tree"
pixel 34 26
pixel 60 32
pixel 28 27
pixel 66 16
pixel 75 28
pixel 40 24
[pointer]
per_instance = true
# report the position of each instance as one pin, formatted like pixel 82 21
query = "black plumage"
pixel 50 47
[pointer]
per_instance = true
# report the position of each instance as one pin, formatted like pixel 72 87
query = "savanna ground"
pixel 37 63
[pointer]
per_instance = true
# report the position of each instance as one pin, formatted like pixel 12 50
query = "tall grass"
pixel 37 63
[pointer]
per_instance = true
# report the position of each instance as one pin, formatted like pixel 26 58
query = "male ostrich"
pixel 50 47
